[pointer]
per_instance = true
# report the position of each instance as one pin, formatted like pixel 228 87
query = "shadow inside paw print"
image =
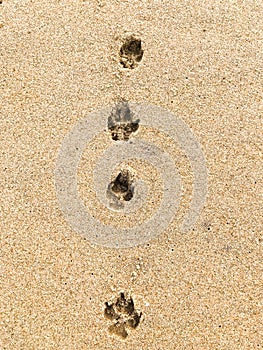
pixel 123 314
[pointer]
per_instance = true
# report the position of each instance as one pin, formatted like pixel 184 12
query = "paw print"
pixel 121 189
pixel 131 52
pixel 123 315
pixel 121 123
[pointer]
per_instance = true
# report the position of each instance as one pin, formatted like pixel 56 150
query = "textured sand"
pixel 202 61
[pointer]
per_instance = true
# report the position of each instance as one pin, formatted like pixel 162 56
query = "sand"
pixel 202 62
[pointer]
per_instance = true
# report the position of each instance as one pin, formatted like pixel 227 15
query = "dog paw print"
pixel 123 315
pixel 131 52
pixel 121 123
pixel 120 190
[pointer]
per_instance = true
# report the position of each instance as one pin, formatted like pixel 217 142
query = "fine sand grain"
pixel 201 61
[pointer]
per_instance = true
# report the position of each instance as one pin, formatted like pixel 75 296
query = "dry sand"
pixel 203 62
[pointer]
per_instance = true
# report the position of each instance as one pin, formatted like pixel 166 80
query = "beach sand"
pixel 202 61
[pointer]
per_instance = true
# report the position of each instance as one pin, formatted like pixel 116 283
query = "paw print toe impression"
pixel 123 314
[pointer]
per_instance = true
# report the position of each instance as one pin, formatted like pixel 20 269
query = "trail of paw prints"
pixel 123 315
pixel 142 168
